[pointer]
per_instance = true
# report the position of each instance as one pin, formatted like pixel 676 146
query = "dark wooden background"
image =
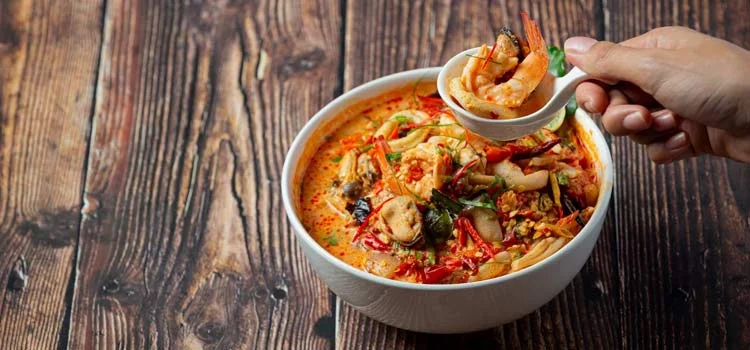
pixel 141 144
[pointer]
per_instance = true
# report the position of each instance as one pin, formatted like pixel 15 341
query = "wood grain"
pixel 48 61
pixel 183 240
pixel 684 266
pixel 387 37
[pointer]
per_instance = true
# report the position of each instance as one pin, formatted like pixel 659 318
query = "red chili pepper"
pixel 492 51
pixel 366 221
pixel 373 242
pixel 431 117
pixel 528 152
pixel 416 173
pixel 469 228
pixel 469 264
pixel 452 262
pixel 510 239
pixel 460 173
pixel 381 149
pixel 497 154
pixel 461 233
pixel 431 105
pixel 394 134
pixel 436 273
pixel 351 141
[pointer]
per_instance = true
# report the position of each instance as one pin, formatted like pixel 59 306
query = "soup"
pixel 402 191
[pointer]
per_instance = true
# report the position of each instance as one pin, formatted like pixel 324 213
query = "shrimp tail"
pixel 534 36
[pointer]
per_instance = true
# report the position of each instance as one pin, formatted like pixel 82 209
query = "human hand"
pixel 681 93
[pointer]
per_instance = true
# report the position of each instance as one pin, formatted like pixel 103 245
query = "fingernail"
pixel 664 122
pixel 578 45
pixel 676 142
pixel 634 121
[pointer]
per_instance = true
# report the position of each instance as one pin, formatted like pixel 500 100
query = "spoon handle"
pixel 566 85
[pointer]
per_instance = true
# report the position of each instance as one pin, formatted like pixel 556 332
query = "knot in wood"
pixel 279 292
pixel 18 275
pixel 301 63
pixel 111 287
pixel 210 332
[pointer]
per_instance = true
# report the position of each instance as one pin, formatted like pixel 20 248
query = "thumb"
pixel 608 61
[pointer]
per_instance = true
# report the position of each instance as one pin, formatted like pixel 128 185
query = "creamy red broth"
pixel 442 205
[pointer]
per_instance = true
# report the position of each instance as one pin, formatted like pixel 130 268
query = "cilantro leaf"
pixel 331 239
pixel 556 60
pixel 392 157
pixel 401 119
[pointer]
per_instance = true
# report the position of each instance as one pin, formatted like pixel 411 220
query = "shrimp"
pixel 529 73
pixel 478 75
pixel 480 88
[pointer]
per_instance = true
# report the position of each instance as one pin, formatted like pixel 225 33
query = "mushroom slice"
pixel 490 270
pixel 540 251
pixel 515 177
pixel 486 223
pixel 351 185
pixel 381 264
pixel 400 219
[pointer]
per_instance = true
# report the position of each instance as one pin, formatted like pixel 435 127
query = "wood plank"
pixel 48 62
pixel 183 242
pixel 387 37
pixel 682 229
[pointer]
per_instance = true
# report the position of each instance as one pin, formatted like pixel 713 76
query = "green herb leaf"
pixel 401 119
pixel 556 60
pixel 418 255
pixel 562 179
pixel 484 58
pixel 570 108
pixel 438 223
pixel 365 148
pixel 392 157
pixel 495 181
pixel 441 200
pixel 331 239
pixel 336 159
pixel 479 204
pixel 430 254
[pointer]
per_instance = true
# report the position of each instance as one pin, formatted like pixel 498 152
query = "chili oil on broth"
pixel 323 223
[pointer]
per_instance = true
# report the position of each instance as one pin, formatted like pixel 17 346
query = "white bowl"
pixel 453 308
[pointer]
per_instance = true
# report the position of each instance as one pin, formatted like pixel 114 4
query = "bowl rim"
pixel 342 101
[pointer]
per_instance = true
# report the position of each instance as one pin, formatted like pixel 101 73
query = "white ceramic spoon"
pixel 559 89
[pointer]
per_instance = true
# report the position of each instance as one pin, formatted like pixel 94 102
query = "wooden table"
pixel 141 144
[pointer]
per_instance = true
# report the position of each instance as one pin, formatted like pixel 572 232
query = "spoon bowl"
pixel 555 91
